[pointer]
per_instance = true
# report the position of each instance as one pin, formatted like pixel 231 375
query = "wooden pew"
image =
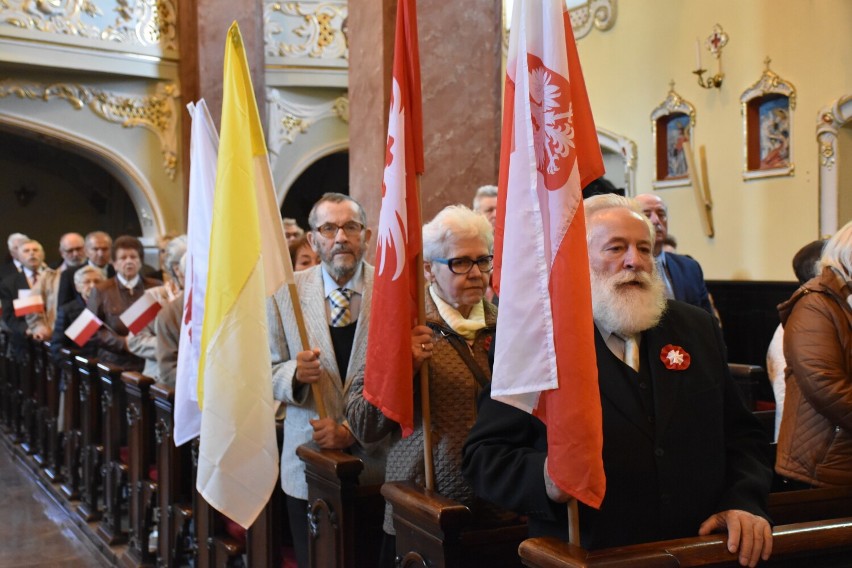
pixel 345 518
pixel 813 544
pixel 5 383
pixel 91 446
pixel 114 436
pixel 22 398
pixel 51 436
pixel 437 532
pixel 41 413
pixel 140 465
pixel 72 433
pixel 810 505
pixel 175 484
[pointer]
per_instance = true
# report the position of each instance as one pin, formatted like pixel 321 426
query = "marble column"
pixel 203 27
pixel 460 54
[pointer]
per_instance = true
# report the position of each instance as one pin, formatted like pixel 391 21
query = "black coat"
pixel 9 287
pixel 676 450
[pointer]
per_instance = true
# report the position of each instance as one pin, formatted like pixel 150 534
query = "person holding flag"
pixel 112 298
pixel 85 281
pixel 457 247
pixel 335 297
pixel 683 455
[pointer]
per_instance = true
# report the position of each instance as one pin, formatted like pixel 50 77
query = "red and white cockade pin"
pixel 675 358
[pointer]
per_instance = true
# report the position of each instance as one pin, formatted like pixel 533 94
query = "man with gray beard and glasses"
pixel 682 454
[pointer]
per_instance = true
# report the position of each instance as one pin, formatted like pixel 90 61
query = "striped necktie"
pixel 631 352
pixel 341 315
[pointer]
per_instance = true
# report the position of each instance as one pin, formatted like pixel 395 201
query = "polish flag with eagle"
pixel 388 379
pixel 544 360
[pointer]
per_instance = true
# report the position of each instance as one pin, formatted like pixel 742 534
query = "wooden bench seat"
pixel 817 544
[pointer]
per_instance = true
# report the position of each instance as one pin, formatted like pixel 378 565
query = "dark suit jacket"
pixel 67 291
pixel 9 287
pixel 65 316
pixel 687 280
pixel 675 451
pixel 7 269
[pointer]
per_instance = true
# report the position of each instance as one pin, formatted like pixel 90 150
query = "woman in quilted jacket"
pixel 815 441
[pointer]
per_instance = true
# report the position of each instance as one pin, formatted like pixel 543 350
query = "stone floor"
pixel 35 531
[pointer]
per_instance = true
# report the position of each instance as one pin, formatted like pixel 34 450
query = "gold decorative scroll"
pixel 317 28
pixel 157 113
pixel 287 118
pixel 142 23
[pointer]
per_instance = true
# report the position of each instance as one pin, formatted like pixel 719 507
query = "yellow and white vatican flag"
pixel 238 456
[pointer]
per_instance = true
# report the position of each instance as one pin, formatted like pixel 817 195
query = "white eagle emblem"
pixel 552 119
pixel 393 219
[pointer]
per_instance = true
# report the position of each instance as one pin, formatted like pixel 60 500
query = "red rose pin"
pixel 675 358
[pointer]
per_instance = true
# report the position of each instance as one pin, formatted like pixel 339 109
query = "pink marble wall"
pixel 460 53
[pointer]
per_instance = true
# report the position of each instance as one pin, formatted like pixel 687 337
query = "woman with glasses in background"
pixel 458 259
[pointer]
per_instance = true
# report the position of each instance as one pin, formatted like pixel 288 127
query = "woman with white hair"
pixel 815 441
pixel 458 259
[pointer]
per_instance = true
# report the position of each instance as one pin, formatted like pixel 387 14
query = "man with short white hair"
pixel 485 202
pixel 14 265
pixel 72 248
pixel 683 456
pixel 18 285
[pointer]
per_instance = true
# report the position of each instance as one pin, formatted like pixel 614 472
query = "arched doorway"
pixel 329 173
pixel 46 191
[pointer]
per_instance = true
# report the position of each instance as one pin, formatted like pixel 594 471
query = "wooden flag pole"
pixel 573 522
pixel 425 408
pixel 303 336
pixel 705 207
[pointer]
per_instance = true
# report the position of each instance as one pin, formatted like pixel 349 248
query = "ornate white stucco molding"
pixel 128 23
pixel 287 118
pixel 829 121
pixel 157 113
pixel 313 32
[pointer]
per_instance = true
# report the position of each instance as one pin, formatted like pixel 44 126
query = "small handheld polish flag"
pixel 83 328
pixel 33 304
pixel 141 313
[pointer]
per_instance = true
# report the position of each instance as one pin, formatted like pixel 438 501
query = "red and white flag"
pixel 545 351
pixel 394 304
pixel 141 313
pixel 32 304
pixel 83 328
pixel 203 152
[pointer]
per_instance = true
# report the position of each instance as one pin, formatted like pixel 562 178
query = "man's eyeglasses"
pixel 329 230
pixel 463 265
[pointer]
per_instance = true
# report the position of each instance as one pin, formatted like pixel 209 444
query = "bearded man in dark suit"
pixel 682 454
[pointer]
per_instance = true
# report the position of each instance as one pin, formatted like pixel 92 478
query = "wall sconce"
pixel 714 43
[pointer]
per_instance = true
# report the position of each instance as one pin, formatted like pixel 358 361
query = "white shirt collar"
pixel 126 283
pixel 355 284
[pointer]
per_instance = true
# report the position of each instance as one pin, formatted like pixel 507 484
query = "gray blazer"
pixel 284 343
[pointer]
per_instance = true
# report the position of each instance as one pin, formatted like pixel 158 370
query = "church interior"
pixel 95 135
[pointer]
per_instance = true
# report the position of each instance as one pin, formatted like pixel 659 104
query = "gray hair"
pixel 175 250
pixel 15 239
pixel 452 223
pixel 332 197
pixel 80 275
pixel 838 251
pixel 597 203
pixel 484 191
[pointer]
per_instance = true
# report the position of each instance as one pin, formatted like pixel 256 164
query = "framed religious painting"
pixel 767 108
pixel 672 125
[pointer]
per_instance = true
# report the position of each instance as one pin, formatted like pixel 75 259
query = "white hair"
pixel 597 203
pixel 484 191
pixel 452 223
pixel 838 251
pixel 175 250
pixel 15 239
pixel 81 274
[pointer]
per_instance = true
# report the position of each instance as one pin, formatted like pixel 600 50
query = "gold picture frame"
pixel 767 110
pixel 672 124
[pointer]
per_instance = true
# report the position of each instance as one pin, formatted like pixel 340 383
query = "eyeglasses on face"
pixel 463 265
pixel 329 230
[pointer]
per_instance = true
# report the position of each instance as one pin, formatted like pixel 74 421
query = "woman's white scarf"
pixel 464 326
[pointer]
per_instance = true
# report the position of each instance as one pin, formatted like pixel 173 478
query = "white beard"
pixel 624 308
